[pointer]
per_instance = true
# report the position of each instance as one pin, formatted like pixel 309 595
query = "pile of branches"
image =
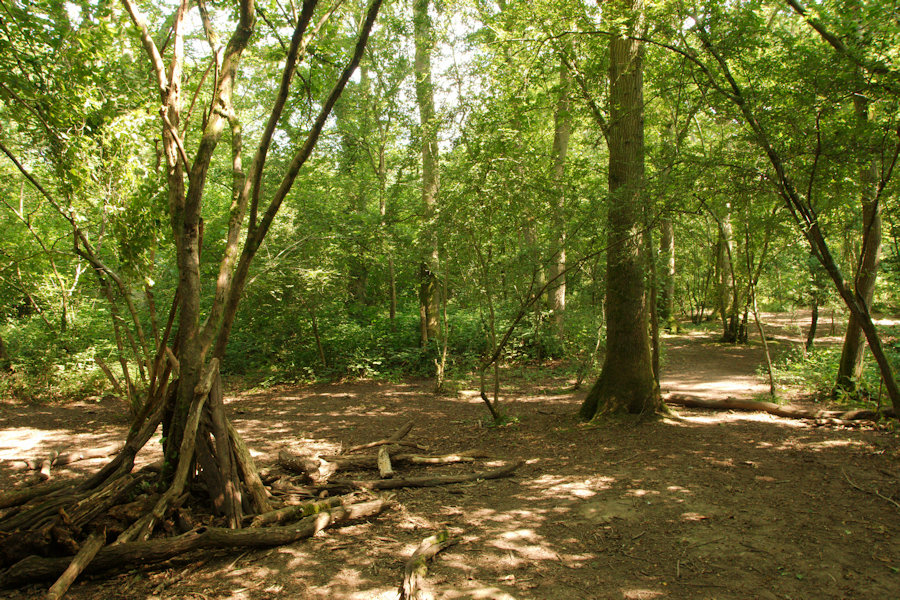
pixel 56 530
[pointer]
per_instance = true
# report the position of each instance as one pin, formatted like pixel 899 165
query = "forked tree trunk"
pixel 626 383
pixel 194 403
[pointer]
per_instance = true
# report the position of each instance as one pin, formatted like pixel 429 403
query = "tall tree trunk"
pixel 358 275
pixel 429 292
pixel 562 133
pixel 851 363
pixel 667 287
pixel 725 283
pixel 626 382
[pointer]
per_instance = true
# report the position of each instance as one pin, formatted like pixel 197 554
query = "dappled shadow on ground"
pixel 695 505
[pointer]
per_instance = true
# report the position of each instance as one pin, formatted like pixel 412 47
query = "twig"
pixel 873 491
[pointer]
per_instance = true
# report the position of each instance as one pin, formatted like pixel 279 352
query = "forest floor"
pixel 697 505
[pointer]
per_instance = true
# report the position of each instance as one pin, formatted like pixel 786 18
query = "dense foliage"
pixel 334 290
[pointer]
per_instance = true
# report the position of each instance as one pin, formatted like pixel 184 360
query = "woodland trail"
pixel 701 505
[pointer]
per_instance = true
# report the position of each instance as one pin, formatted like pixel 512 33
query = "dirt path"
pixel 700 505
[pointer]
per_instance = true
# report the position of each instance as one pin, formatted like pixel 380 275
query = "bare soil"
pixel 696 505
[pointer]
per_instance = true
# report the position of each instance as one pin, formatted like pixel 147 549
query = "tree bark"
pixel 851 363
pixel 667 287
pixel 429 299
pixel 626 382
pixel 562 132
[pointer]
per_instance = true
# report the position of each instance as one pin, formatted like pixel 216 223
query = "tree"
pixel 754 111
pixel 200 343
pixel 627 382
pixel 430 289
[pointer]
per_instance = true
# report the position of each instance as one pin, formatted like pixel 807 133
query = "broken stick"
pixel 86 554
pixel 413 586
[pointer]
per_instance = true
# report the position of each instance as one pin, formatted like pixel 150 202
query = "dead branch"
pixel 248 469
pixel 88 551
pixel 398 435
pixel 342 462
pixel 68 458
pixel 873 491
pixel 301 464
pixel 298 511
pixel 19 497
pixel 413 586
pixel 408 482
pixel 385 469
pixel 35 568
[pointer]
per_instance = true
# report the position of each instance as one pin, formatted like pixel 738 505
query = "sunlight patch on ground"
pixel 714 417
pixel 523 546
pixel 17 442
pixel 555 487
pixel 641 594
pixel 482 593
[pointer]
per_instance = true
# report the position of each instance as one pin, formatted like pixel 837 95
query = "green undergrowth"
pixel 816 371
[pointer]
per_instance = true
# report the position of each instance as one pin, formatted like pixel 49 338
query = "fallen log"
pixel 301 464
pixel 297 511
pixel 67 458
pixel 791 412
pixel 128 554
pixel 413 586
pixel 410 482
pixel 363 461
pixel 19 497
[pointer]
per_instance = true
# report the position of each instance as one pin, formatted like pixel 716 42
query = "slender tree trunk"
pixel 626 382
pixel 562 133
pixel 429 292
pixel 813 324
pixel 5 361
pixel 358 275
pixel 726 290
pixel 851 363
pixel 667 287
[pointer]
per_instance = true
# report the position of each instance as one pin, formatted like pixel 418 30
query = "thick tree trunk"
pixel 429 292
pixel 626 383
pixel 851 363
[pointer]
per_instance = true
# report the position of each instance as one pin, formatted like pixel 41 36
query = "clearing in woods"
pixel 698 505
